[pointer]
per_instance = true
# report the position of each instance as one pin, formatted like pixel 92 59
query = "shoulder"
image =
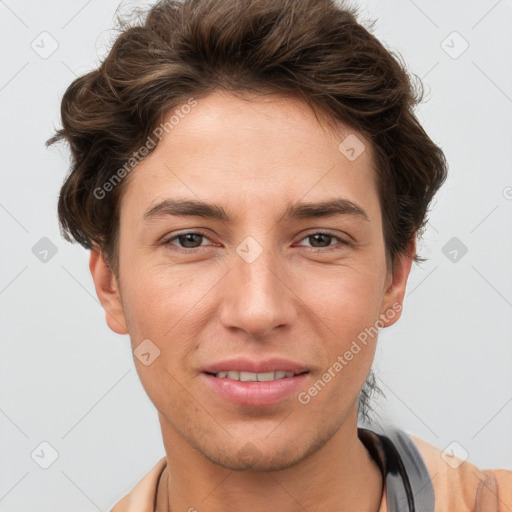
pixel 461 486
pixel 143 496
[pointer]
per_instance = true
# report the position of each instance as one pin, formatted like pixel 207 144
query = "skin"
pixel 305 298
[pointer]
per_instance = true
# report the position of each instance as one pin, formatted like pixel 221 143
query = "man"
pixel 250 178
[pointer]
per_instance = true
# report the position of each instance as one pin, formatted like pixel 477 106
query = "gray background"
pixel 68 381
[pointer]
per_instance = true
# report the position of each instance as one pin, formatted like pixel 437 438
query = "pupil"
pixel 188 239
pixel 320 235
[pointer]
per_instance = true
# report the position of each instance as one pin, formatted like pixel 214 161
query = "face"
pixel 277 280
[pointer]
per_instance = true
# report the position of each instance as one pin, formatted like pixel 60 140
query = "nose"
pixel 257 296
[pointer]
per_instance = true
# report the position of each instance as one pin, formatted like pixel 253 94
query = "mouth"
pixel 257 384
pixel 254 376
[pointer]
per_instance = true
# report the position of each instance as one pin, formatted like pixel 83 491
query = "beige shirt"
pixel 464 488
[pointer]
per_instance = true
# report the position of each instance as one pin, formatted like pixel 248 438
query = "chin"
pixel 249 458
pixel 267 456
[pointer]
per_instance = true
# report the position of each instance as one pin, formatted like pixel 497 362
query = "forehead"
pixel 271 149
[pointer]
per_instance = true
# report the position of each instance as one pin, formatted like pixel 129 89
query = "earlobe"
pixel 107 291
pixel 395 292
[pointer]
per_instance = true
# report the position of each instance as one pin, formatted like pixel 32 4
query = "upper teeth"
pixel 254 377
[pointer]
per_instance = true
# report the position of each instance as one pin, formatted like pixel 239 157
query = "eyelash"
pixel 313 249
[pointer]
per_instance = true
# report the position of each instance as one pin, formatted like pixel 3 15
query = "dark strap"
pixel 408 484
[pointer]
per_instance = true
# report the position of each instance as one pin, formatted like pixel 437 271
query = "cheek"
pixel 155 292
pixel 348 320
pixel 347 299
pixel 348 312
pixel 167 305
pixel 159 305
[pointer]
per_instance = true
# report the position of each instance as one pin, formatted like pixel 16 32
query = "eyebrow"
pixel 301 210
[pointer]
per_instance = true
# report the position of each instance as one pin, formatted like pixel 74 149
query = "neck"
pixel 341 476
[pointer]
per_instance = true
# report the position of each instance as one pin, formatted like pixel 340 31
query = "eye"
pixel 323 240
pixel 190 240
pixel 187 242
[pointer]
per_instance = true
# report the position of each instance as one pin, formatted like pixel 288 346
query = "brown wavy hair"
pixel 312 49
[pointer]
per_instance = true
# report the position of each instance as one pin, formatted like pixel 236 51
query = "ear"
pixel 107 290
pixel 395 285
